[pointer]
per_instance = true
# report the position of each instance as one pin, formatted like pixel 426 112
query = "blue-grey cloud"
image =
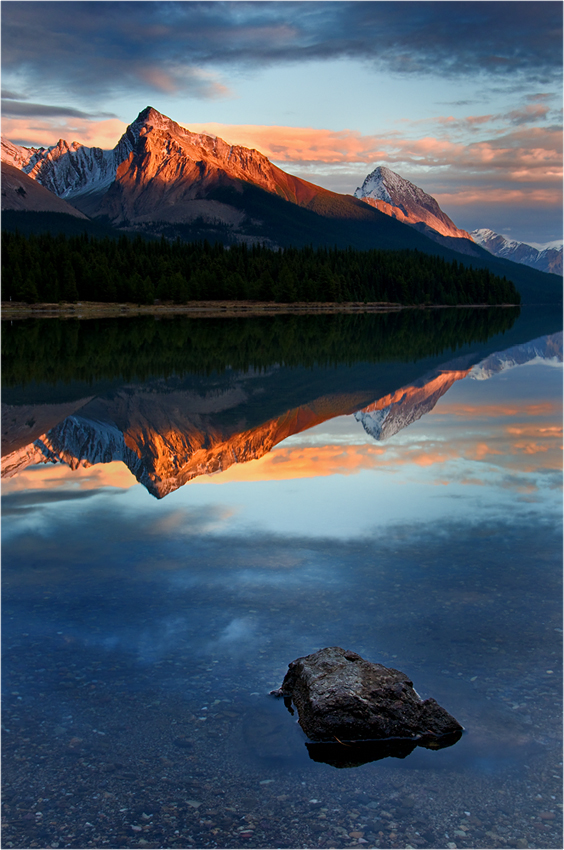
pixel 167 46
pixel 7 94
pixel 23 109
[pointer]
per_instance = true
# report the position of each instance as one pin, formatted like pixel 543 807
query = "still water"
pixel 181 521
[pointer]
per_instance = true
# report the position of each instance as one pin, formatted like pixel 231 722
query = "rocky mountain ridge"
pixel 159 171
pixel 545 260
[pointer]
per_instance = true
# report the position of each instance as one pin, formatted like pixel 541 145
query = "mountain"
pixel 545 260
pixel 163 180
pixel 165 433
pixel 395 196
pixel 20 192
pixel 68 170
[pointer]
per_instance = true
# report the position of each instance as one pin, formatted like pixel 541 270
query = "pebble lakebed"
pixel 97 756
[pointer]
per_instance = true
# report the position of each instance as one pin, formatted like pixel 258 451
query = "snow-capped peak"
pixel 385 185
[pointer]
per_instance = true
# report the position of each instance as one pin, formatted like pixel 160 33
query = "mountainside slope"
pixel 547 260
pixel 20 192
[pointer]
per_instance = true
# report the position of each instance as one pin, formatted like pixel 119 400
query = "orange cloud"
pixel 524 154
pixel 44 132
pixel 530 430
pixel 297 144
pixel 429 458
pixel 530 448
pixel 491 411
pixel 483 449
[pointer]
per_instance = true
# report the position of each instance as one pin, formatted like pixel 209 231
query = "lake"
pixel 191 504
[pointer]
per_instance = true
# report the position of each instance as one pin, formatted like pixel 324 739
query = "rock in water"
pixel 341 697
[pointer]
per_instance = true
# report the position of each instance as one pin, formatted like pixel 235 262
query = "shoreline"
pixel 209 309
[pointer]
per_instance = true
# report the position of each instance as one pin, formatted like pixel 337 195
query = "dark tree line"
pixel 50 269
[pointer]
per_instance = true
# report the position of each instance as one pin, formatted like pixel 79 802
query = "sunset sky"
pixel 462 98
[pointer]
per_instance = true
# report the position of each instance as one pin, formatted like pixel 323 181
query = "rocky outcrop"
pixel 342 697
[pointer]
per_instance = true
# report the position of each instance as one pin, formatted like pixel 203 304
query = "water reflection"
pixel 141 637
pixel 363 752
pixel 168 432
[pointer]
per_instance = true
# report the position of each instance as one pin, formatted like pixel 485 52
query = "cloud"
pixel 520 166
pixel 102 47
pixel 12 95
pixel 519 151
pixel 532 113
pixel 16 108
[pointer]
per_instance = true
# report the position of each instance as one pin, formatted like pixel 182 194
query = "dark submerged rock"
pixel 340 697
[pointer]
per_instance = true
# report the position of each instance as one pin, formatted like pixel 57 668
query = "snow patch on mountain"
pixel 543 246
pixel 18 155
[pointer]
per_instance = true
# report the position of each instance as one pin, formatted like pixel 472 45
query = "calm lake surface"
pixel 189 505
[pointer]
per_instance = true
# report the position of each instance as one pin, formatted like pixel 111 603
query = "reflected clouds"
pixel 55 476
pixel 19 503
pixel 187 522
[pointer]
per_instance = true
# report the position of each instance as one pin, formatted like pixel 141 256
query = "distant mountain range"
pixel 545 260
pixel 162 179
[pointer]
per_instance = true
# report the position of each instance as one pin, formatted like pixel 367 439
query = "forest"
pixel 46 268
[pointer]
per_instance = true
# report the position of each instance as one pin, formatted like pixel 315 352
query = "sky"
pixel 462 98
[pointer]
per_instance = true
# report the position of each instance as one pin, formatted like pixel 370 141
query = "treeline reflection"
pixel 51 351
